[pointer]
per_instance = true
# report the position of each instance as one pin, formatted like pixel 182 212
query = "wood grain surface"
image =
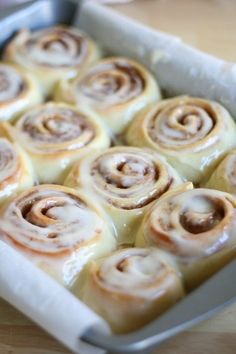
pixel 211 26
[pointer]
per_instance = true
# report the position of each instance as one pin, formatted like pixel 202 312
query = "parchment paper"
pixel 46 302
pixel 179 68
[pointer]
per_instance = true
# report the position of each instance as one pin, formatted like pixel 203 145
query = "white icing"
pixel 143 272
pixel 182 125
pixel 198 207
pixel 108 83
pixel 51 48
pixel 53 127
pixel 130 176
pixel 55 222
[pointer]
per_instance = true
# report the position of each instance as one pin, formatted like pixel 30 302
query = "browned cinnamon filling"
pixel 122 265
pixel 133 73
pixel 173 123
pixel 58 40
pixel 108 79
pixel 197 222
pixel 127 180
pixel 27 204
pixel 62 126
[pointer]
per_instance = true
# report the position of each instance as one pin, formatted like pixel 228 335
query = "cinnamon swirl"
pixel 116 88
pixel 58 229
pixel 52 53
pixel 131 287
pixel 125 181
pixel 197 226
pixel 192 133
pixel 55 135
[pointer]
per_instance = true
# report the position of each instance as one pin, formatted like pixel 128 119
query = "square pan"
pixel 45 13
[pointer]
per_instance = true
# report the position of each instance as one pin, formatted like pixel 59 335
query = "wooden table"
pixel 209 25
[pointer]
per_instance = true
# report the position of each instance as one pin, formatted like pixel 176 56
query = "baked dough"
pixel 58 229
pixel 125 181
pixel 115 88
pixel 52 53
pixel 131 287
pixel 192 133
pixel 55 135
pixel 19 91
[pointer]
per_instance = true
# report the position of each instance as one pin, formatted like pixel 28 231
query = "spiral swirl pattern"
pixel 136 271
pixel 51 219
pixel 12 83
pixel 115 88
pixel 52 54
pixel 192 133
pixel 56 135
pixel 194 223
pixel 141 283
pixel 183 123
pixel 55 47
pixel 125 181
pixel 129 178
pixel 54 128
pixel 112 82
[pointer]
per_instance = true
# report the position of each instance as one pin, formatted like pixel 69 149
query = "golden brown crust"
pixel 131 287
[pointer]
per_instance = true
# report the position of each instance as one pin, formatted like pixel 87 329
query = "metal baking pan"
pixel 199 305
pixel 36 14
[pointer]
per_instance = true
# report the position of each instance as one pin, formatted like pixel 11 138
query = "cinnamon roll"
pixel 57 228
pixel 116 88
pixel 131 287
pixel 125 181
pixel 192 133
pixel 16 171
pixel 55 135
pixel 224 176
pixel 52 53
pixel 18 92
pixel 197 226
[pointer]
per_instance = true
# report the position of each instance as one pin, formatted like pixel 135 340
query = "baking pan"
pixel 36 14
pixel 199 305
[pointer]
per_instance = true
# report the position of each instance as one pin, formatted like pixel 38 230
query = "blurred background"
pixel 206 24
pixel 209 25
